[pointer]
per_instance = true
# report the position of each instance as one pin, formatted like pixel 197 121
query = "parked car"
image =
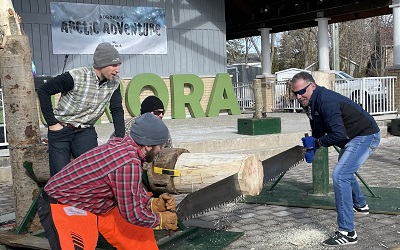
pixel 368 92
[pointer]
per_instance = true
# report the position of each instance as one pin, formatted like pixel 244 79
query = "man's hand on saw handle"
pixel 168 220
pixel 165 202
pixel 165 206
pixel 310 146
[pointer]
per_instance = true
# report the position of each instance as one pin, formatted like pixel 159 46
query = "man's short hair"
pixel 304 76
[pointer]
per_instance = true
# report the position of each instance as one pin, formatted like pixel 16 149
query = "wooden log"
pixel 161 183
pixel 199 170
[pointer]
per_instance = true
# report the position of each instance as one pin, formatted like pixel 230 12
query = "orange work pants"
pixel 78 229
pixel 124 235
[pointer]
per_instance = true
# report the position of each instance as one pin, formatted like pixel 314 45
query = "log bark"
pixel 198 170
pixel 166 159
pixel 22 121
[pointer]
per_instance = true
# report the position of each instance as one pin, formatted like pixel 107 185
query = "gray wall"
pixel 195 30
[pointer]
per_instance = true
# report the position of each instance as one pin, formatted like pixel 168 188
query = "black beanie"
pixel 105 55
pixel 148 130
pixel 150 104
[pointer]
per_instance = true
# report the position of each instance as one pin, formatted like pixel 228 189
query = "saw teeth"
pixel 276 177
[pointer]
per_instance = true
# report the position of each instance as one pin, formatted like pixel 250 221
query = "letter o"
pixel 135 86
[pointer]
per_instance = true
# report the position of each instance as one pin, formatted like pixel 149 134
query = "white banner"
pixel 78 28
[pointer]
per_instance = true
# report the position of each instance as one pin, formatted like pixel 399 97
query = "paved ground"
pixel 278 227
pixel 281 228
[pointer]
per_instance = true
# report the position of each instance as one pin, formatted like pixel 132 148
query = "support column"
pixel 335 42
pixel 396 32
pixel 265 52
pixel 323 44
pixel 266 79
pixel 394 70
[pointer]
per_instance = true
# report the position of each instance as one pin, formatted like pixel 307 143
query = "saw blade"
pixel 278 164
pixel 209 198
pixel 228 189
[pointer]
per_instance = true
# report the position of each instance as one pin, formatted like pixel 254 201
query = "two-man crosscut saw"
pixel 228 189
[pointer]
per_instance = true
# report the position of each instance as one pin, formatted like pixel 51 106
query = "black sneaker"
pixel 361 210
pixel 341 238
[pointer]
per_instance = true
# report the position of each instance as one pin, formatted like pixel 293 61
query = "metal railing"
pixel 244 94
pixel 373 94
pixel 283 99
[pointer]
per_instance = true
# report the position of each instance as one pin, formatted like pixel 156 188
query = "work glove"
pixel 168 220
pixel 309 146
pixel 165 202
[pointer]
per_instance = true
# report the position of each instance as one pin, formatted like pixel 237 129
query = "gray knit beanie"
pixel 105 55
pixel 148 130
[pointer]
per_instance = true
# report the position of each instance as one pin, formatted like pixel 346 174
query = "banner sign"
pixel 78 28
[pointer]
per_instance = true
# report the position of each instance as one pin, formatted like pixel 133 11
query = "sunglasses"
pixel 158 112
pixel 301 91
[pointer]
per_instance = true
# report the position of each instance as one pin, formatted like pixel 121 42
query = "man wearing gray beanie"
pixel 85 94
pixel 104 186
pixel 153 105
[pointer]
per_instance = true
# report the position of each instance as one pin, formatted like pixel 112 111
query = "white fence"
pixel 245 95
pixel 283 99
pixel 374 94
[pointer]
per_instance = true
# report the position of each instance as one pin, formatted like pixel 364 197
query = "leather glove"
pixel 163 203
pixel 170 203
pixel 168 220
pixel 309 145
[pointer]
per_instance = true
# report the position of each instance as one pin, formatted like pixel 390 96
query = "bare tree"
pixel 235 50
pixel 298 48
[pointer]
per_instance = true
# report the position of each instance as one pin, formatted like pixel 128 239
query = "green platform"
pixel 262 126
pixel 298 194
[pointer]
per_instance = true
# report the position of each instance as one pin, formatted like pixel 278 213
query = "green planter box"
pixel 263 126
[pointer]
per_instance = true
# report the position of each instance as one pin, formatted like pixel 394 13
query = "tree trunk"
pixel 21 113
pixel 22 122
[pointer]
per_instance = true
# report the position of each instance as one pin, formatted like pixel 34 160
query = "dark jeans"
pixel 66 142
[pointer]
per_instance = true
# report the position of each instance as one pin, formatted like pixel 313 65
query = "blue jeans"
pixel 68 142
pixel 347 190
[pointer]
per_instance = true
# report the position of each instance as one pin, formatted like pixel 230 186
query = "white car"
pixel 368 92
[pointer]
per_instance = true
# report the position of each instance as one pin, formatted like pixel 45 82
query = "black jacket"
pixel 335 119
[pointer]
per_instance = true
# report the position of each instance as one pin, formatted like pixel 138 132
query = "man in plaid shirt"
pixel 101 191
pixel 85 94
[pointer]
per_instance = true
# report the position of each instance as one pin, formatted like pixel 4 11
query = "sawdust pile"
pixel 295 238
pixel 288 239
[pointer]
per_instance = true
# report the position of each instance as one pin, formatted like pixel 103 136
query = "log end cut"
pixel 251 175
